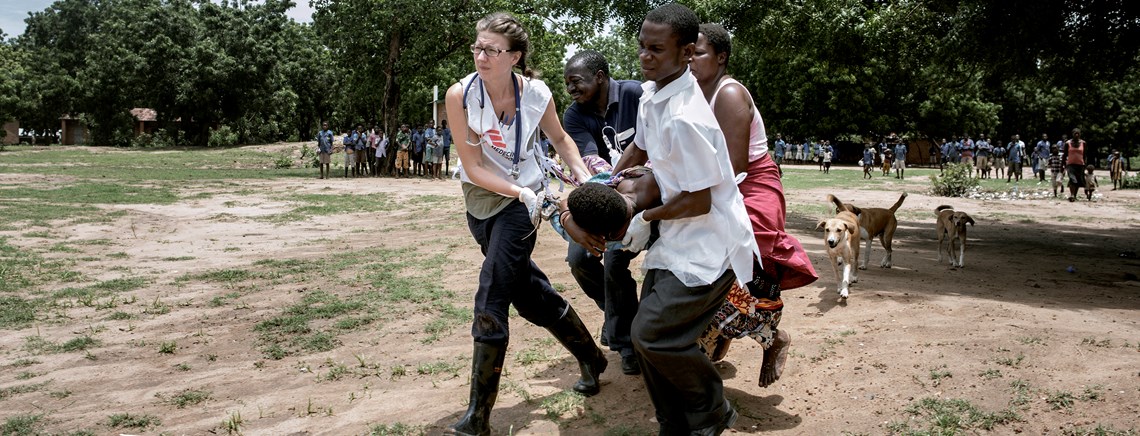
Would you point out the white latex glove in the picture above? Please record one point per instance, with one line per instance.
(531, 201)
(637, 235)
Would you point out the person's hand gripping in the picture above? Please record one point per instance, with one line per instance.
(531, 201)
(637, 235)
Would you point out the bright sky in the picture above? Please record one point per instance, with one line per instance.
(13, 13)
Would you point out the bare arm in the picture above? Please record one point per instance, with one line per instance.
(632, 156)
(734, 114)
(684, 205)
(562, 142)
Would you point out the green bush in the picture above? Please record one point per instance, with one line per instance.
(223, 137)
(955, 181)
(157, 139)
(284, 160)
(1130, 182)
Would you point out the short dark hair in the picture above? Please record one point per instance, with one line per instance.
(719, 39)
(591, 60)
(597, 208)
(684, 22)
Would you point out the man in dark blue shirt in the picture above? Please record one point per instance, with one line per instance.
(418, 141)
(602, 122)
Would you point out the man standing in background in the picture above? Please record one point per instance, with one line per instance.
(324, 149)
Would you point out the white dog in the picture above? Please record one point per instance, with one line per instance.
(841, 235)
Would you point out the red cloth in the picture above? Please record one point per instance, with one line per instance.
(764, 199)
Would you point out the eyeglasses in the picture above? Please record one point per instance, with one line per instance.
(489, 51)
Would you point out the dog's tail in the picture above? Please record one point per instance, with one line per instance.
(895, 208)
(942, 208)
(839, 207)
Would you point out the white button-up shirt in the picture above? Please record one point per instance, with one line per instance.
(679, 132)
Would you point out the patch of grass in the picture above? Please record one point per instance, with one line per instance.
(119, 255)
(1031, 340)
(558, 405)
(448, 318)
(626, 430)
(21, 363)
(81, 343)
(232, 424)
(1099, 430)
(530, 356)
(40, 234)
(293, 327)
(438, 368)
(225, 276)
(1103, 343)
(35, 214)
(937, 416)
(178, 258)
(16, 312)
(937, 374)
(1093, 393)
(93, 193)
(330, 204)
(21, 270)
(120, 316)
(28, 424)
(8, 392)
(990, 374)
(189, 397)
(127, 420)
(62, 248)
(167, 347)
(337, 372)
(1012, 362)
(182, 367)
(1060, 400)
(1021, 392)
(26, 375)
(396, 429)
(397, 371)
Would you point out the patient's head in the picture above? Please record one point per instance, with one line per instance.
(599, 209)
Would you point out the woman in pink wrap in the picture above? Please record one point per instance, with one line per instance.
(783, 262)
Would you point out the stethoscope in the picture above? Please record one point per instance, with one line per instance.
(517, 120)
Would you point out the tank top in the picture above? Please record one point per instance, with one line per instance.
(1076, 153)
(757, 137)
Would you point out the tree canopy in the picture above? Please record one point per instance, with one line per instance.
(818, 68)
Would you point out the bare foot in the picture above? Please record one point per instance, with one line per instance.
(774, 358)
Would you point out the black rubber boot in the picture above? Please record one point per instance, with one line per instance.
(486, 368)
(573, 335)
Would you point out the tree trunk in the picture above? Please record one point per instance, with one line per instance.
(391, 103)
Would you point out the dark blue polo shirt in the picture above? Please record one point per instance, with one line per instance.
(586, 126)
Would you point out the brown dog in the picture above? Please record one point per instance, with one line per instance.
(874, 221)
(841, 236)
(952, 226)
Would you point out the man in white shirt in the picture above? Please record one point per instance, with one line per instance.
(705, 233)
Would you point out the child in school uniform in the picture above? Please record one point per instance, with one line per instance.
(1090, 182)
(1056, 168)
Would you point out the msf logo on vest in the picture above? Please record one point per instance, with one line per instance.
(495, 138)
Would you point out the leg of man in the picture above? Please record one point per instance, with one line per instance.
(621, 307)
(447, 160)
(686, 389)
(588, 271)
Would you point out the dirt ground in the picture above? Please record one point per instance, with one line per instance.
(1045, 299)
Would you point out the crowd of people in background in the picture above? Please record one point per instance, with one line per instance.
(423, 151)
(1067, 161)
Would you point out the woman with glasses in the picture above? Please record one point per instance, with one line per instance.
(500, 174)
